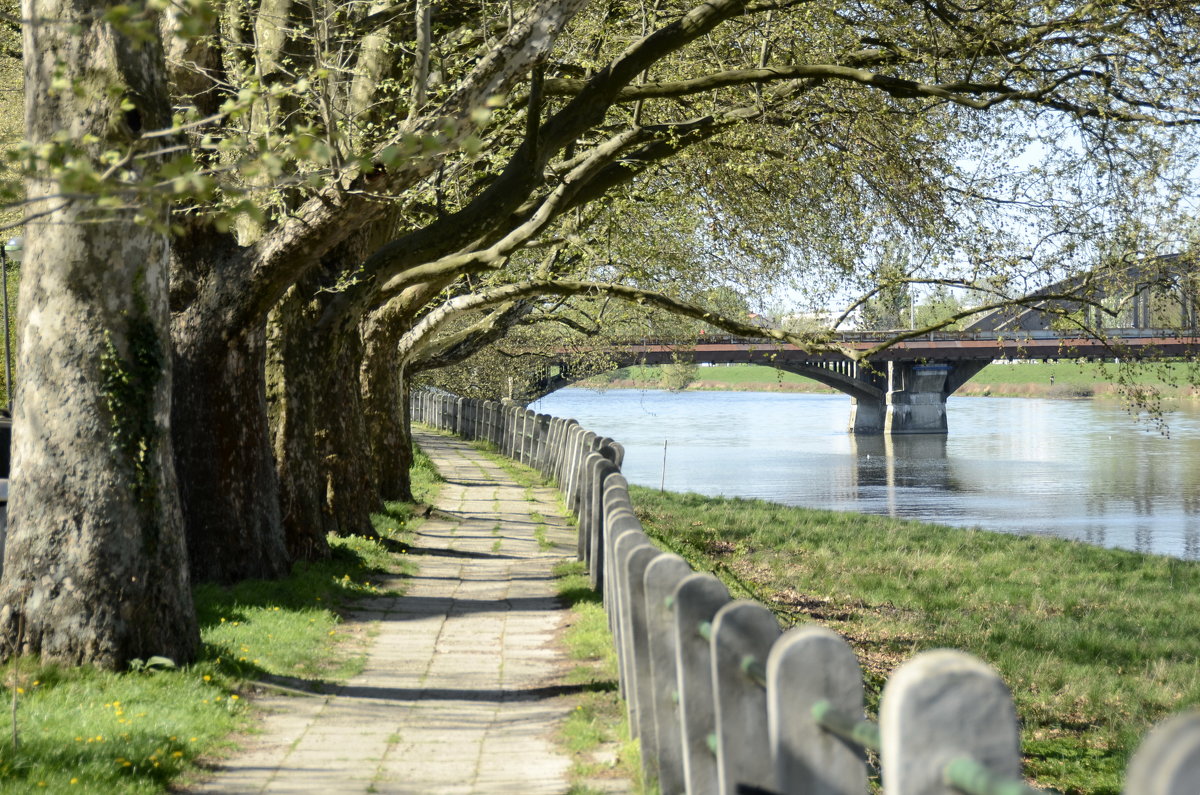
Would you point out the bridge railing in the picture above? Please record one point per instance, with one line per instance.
(1013, 335)
(722, 701)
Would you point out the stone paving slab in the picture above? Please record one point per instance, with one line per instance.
(460, 690)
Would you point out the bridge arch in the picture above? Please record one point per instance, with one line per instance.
(860, 382)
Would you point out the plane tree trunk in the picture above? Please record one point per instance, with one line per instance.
(95, 568)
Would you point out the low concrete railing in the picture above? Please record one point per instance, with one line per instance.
(722, 701)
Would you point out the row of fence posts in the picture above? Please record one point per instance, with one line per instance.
(722, 701)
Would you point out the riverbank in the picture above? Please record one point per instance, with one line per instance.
(1096, 644)
(1055, 380)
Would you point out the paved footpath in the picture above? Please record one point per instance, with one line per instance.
(460, 691)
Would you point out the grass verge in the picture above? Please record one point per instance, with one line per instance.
(596, 732)
(1096, 644)
(147, 730)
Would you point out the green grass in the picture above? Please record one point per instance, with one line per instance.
(1096, 644)
(598, 720)
(85, 730)
(1082, 373)
(734, 377)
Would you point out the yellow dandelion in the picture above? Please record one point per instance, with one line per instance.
(207, 678)
(177, 754)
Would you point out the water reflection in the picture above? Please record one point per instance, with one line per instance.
(1072, 469)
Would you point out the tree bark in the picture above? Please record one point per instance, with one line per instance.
(351, 495)
(296, 439)
(95, 567)
(320, 440)
(385, 409)
(229, 487)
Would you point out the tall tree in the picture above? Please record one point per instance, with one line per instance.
(389, 158)
(95, 564)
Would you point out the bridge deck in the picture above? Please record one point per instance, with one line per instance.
(945, 346)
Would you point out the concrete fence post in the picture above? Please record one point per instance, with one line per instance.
(531, 431)
(663, 576)
(696, 602)
(518, 433)
(642, 716)
(941, 706)
(543, 443)
(809, 664)
(627, 538)
(514, 436)
(627, 543)
(587, 444)
(600, 528)
(583, 513)
(522, 435)
(742, 635)
(559, 435)
(594, 508)
(618, 517)
(579, 470)
(550, 454)
(1168, 760)
(574, 450)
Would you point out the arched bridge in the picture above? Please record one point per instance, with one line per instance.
(903, 389)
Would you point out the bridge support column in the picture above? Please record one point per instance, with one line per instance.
(916, 397)
(866, 415)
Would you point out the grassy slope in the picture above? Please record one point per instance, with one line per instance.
(1096, 644)
(82, 730)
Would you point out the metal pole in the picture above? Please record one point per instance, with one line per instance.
(663, 482)
(7, 334)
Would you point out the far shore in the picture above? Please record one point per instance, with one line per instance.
(1053, 380)
(1027, 390)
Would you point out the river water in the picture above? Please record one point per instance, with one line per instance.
(1076, 469)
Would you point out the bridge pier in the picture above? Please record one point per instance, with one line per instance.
(866, 416)
(915, 399)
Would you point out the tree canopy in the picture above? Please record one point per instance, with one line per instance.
(351, 193)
